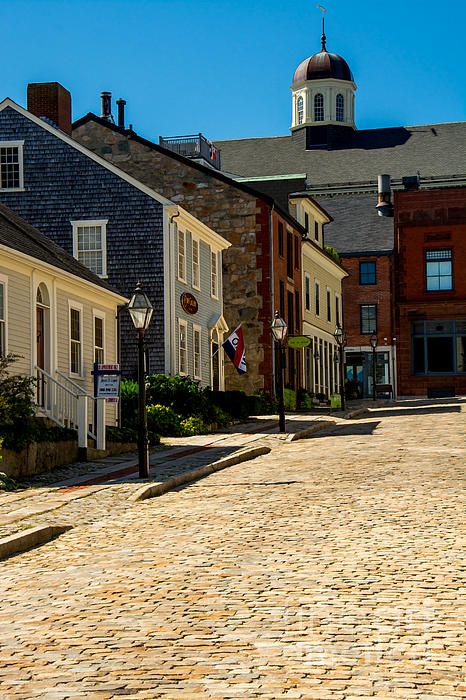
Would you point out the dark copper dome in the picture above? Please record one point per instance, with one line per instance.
(323, 65)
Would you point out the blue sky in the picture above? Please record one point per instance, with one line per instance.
(224, 67)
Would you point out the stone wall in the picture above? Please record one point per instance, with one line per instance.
(235, 214)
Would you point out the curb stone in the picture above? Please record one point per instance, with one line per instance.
(321, 425)
(152, 490)
(28, 539)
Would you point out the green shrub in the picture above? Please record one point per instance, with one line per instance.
(7, 483)
(332, 253)
(163, 420)
(262, 404)
(235, 403)
(192, 426)
(129, 397)
(115, 434)
(290, 399)
(17, 406)
(182, 394)
(305, 399)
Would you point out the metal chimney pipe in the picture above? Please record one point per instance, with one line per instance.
(384, 196)
(106, 98)
(121, 112)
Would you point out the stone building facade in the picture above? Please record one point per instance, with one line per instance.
(240, 214)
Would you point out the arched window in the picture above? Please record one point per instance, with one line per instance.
(340, 108)
(319, 108)
(300, 109)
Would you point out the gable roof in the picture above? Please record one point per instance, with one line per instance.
(435, 150)
(212, 172)
(357, 229)
(17, 234)
(7, 102)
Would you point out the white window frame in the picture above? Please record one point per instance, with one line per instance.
(101, 316)
(4, 320)
(75, 306)
(197, 330)
(337, 310)
(181, 257)
(92, 222)
(183, 324)
(196, 269)
(214, 281)
(317, 298)
(300, 110)
(19, 145)
(307, 291)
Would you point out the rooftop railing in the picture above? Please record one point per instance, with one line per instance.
(194, 146)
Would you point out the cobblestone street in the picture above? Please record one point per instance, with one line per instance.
(331, 569)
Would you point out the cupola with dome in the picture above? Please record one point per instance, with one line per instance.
(323, 96)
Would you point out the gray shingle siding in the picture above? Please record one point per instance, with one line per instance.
(61, 185)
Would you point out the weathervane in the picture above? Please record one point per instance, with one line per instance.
(323, 38)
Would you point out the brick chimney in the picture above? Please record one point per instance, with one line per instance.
(50, 100)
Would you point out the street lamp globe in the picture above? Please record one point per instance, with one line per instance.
(338, 335)
(373, 340)
(140, 309)
(279, 328)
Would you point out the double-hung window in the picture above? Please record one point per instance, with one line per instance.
(317, 299)
(90, 244)
(337, 310)
(307, 291)
(439, 275)
(329, 305)
(76, 340)
(99, 352)
(368, 316)
(195, 261)
(3, 297)
(182, 347)
(181, 239)
(367, 272)
(214, 274)
(11, 165)
(197, 352)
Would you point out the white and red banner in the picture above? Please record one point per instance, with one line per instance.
(234, 348)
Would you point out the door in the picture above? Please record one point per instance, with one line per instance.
(40, 353)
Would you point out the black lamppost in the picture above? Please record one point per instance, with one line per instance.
(279, 330)
(140, 309)
(340, 338)
(373, 342)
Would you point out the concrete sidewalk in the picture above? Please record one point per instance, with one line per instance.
(86, 492)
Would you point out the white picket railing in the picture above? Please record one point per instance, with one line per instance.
(68, 405)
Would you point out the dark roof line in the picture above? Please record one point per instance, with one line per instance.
(131, 134)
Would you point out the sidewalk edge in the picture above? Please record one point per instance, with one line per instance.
(152, 490)
(28, 539)
(320, 425)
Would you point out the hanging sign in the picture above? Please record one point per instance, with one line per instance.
(298, 341)
(107, 382)
(189, 303)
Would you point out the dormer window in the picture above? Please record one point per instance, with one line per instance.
(319, 108)
(11, 165)
(340, 108)
(300, 109)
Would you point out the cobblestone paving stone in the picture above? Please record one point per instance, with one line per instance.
(52, 497)
(331, 569)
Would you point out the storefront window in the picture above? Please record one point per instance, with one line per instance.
(439, 347)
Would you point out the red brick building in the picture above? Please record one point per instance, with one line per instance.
(430, 291)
